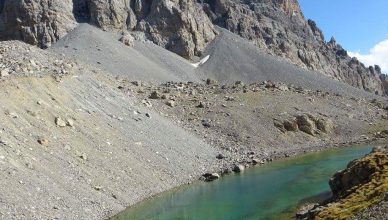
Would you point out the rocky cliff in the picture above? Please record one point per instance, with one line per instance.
(38, 22)
(279, 27)
(187, 26)
(178, 25)
(361, 186)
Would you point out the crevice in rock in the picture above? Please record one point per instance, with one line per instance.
(81, 11)
(141, 8)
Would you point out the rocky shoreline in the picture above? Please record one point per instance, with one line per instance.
(196, 108)
(359, 191)
(217, 174)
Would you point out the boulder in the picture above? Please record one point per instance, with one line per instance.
(278, 124)
(325, 125)
(306, 125)
(290, 125)
(210, 176)
(127, 39)
(171, 103)
(60, 122)
(220, 156)
(154, 95)
(211, 82)
(238, 168)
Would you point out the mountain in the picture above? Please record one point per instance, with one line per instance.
(186, 27)
(102, 116)
(279, 27)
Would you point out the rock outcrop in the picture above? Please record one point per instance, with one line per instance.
(306, 123)
(38, 22)
(180, 26)
(362, 185)
(279, 27)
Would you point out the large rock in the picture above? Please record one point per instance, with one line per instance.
(325, 125)
(363, 184)
(208, 177)
(306, 124)
(312, 125)
(360, 171)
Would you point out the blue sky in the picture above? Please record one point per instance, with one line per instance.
(356, 24)
(360, 26)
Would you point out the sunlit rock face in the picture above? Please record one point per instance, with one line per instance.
(279, 27)
(180, 26)
(186, 27)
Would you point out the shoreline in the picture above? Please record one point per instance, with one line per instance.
(199, 179)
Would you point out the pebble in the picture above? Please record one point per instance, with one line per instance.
(170, 103)
(13, 115)
(43, 141)
(4, 72)
(70, 122)
(60, 122)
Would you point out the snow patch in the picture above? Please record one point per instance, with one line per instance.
(200, 63)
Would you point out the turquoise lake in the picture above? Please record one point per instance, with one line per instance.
(272, 191)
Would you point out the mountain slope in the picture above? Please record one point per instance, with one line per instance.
(279, 27)
(144, 61)
(186, 27)
(74, 146)
(232, 58)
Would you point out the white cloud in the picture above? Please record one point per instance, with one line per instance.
(377, 55)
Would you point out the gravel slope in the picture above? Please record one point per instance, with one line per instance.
(145, 61)
(233, 58)
(113, 156)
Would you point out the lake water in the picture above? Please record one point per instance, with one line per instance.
(271, 191)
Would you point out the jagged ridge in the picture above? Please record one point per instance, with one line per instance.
(186, 27)
(279, 27)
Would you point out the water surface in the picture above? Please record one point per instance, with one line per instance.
(272, 191)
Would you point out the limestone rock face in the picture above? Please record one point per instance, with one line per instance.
(279, 27)
(181, 26)
(178, 25)
(187, 26)
(38, 22)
